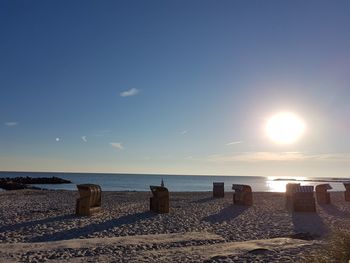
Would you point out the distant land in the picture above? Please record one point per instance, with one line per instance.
(326, 179)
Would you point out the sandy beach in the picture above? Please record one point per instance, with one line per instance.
(40, 226)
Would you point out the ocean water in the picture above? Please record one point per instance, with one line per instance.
(178, 183)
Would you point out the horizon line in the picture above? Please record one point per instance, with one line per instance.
(120, 173)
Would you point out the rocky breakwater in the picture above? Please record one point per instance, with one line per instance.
(18, 183)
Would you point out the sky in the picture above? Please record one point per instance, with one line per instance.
(177, 87)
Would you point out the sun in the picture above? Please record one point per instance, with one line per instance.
(284, 128)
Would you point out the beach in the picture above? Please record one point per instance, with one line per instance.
(41, 226)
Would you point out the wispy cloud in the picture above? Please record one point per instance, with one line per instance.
(335, 157)
(84, 138)
(102, 133)
(117, 145)
(130, 92)
(184, 132)
(11, 123)
(278, 157)
(234, 143)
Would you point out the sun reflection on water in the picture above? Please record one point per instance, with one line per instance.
(280, 185)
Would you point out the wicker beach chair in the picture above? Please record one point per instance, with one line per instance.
(347, 191)
(218, 190)
(90, 199)
(242, 195)
(159, 202)
(303, 199)
(290, 189)
(322, 196)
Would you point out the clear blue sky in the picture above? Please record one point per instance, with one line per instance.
(181, 87)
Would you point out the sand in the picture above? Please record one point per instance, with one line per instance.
(40, 226)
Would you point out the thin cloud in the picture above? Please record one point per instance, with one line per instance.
(279, 157)
(117, 145)
(84, 138)
(11, 123)
(184, 132)
(234, 143)
(102, 133)
(58, 139)
(130, 92)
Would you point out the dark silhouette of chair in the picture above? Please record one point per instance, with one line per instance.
(90, 199)
(242, 195)
(218, 190)
(290, 189)
(322, 196)
(347, 191)
(303, 199)
(159, 202)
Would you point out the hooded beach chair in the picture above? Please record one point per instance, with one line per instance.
(303, 199)
(90, 199)
(290, 189)
(347, 191)
(322, 196)
(242, 195)
(159, 202)
(218, 190)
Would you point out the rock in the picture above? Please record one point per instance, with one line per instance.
(18, 183)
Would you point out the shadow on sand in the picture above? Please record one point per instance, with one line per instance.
(226, 214)
(44, 221)
(310, 223)
(92, 228)
(334, 211)
(203, 200)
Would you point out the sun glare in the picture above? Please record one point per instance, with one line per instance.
(284, 128)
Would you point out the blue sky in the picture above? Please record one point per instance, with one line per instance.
(180, 87)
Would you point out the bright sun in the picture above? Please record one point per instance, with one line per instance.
(284, 128)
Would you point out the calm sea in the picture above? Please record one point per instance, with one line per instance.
(179, 183)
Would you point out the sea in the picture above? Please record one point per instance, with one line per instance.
(175, 183)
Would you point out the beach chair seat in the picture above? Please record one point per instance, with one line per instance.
(159, 202)
(347, 191)
(303, 199)
(242, 195)
(218, 190)
(89, 201)
(322, 196)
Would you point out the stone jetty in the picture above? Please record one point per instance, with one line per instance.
(17, 183)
